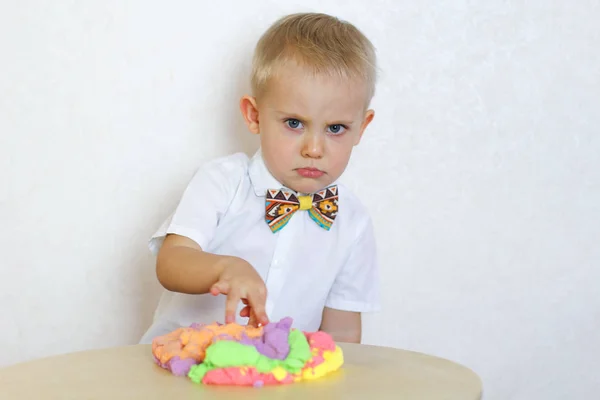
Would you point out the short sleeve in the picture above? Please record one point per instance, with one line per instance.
(356, 287)
(204, 201)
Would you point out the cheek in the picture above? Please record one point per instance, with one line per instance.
(277, 142)
(278, 146)
(341, 151)
(340, 162)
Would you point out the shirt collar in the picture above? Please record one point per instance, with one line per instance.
(261, 178)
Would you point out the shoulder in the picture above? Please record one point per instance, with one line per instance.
(354, 214)
(225, 170)
(219, 177)
(230, 165)
(353, 205)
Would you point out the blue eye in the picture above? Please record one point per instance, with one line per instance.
(337, 129)
(293, 123)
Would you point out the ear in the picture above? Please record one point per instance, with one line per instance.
(369, 115)
(249, 111)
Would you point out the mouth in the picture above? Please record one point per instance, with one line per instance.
(310, 172)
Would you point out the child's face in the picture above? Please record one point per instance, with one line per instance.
(308, 126)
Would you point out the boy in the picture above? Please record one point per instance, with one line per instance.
(278, 232)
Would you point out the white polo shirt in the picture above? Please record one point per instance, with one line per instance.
(305, 267)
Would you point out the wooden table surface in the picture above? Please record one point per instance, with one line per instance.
(369, 372)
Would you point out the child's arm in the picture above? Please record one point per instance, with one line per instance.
(343, 326)
(182, 266)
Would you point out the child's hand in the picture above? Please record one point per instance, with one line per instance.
(240, 281)
(248, 313)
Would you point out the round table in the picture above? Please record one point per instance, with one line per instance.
(369, 372)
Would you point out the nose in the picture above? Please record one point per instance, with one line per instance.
(313, 145)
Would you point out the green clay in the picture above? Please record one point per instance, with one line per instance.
(299, 352)
(226, 354)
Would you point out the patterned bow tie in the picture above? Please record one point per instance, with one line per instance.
(282, 204)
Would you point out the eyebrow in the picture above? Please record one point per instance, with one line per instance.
(291, 115)
(301, 118)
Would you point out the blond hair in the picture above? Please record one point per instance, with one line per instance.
(320, 42)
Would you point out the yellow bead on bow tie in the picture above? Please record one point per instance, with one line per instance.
(306, 202)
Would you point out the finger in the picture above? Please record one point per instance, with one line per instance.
(245, 312)
(253, 321)
(257, 301)
(221, 287)
(233, 299)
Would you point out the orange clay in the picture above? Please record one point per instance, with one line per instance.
(192, 342)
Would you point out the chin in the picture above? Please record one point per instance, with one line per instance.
(310, 187)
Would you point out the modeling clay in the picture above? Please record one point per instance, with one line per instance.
(233, 354)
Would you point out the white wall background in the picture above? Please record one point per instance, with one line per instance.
(486, 139)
